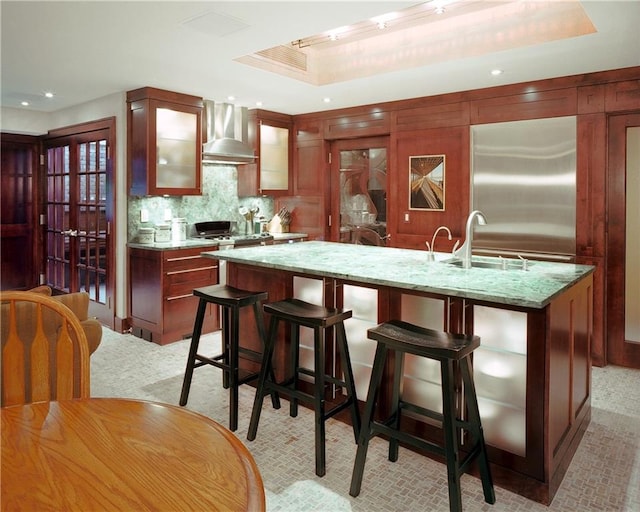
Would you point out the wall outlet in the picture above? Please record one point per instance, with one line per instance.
(144, 215)
(406, 216)
(167, 214)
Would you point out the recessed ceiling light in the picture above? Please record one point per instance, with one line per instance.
(496, 72)
(382, 22)
(258, 103)
(48, 95)
(24, 103)
(327, 100)
(231, 98)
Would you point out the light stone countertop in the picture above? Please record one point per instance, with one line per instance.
(191, 243)
(410, 269)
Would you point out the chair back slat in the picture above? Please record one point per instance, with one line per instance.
(64, 364)
(13, 378)
(45, 354)
(40, 371)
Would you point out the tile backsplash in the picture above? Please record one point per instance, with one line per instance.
(219, 201)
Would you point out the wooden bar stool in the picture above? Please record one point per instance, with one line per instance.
(404, 338)
(298, 313)
(231, 300)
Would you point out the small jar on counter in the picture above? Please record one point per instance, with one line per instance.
(145, 235)
(163, 233)
(179, 229)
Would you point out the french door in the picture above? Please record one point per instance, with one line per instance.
(623, 241)
(79, 206)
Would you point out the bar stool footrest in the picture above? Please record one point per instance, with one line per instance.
(403, 437)
(428, 413)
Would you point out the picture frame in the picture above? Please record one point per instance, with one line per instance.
(427, 182)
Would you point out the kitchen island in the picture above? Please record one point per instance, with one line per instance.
(532, 371)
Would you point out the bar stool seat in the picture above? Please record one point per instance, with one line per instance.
(298, 313)
(450, 350)
(231, 300)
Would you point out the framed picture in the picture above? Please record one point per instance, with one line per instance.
(426, 182)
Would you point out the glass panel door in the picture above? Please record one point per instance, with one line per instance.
(623, 241)
(362, 182)
(632, 238)
(77, 226)
(61, 246)
(91, 266)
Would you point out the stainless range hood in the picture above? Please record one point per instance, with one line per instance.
(223, 146)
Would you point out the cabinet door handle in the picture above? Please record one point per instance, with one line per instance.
(190, 270)
(176, 297)
(182, 258)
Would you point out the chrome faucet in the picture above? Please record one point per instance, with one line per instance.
(464, 253)
(431, 248)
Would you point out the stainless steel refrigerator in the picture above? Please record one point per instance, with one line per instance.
(523, 176)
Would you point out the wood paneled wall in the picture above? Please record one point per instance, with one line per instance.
(441, 125)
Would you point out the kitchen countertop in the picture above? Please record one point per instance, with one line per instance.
(410, 269)
(192, 243)
(189, 243)
(284, 237)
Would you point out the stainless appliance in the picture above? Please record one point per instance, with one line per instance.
(222, 232)
(523, 177)
(227, 134)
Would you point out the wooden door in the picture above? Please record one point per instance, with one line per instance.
(623, 241)
(80, 204)
(18, 218)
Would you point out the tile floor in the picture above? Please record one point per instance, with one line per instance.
(603, 476)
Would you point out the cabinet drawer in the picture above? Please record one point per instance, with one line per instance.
(185, 259)
(181, 310)
(208, 274)
(187, 287)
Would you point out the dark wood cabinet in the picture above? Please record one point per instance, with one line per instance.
(162, 305)
(164, 152)
(269, 133)
(310, 166)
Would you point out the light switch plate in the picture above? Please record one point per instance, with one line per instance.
(144, 215)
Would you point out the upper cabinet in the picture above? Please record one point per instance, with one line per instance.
(164, 131)
(270, 136)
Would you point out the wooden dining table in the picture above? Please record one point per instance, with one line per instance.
(118, 454)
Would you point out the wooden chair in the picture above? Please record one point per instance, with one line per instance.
(45, 355)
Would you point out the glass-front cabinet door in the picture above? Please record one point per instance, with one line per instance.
(164, 132)
(274, 158)
(360, 175)
(177, 150)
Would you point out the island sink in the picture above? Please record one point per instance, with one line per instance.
(496, 264)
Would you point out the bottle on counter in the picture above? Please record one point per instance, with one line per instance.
(258, 225)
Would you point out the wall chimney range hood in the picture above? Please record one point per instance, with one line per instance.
(222, 147)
